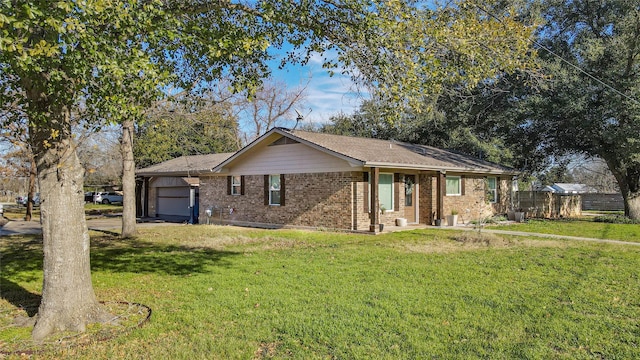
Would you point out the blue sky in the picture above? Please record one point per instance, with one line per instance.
(326, 95)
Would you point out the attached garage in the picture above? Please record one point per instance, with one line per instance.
(164, 189)
(169, 197)
(173, 201)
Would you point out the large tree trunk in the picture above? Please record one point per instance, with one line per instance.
(68, 300)
(628, 177)
(632, 206)
(128, 181)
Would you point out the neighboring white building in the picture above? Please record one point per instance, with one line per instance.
(567, 188)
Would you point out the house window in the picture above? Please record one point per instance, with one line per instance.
(409, 185)
(453, 185)
(385, 192)
(274, 189)
(236, 185)
(492, 189)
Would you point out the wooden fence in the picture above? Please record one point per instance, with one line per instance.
(548, 205)
(603, 202)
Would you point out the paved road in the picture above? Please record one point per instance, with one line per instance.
(106, 223)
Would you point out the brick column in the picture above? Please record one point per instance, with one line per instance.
(374, 208)
(441, 190)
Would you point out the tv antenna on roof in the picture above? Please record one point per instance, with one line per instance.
(300, 117)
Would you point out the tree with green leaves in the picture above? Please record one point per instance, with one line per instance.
(20, 159)
(447, 125)
(591, 50)
(172, 130)
(112, 57)
(588, 103)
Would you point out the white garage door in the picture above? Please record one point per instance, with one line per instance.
(173, 201)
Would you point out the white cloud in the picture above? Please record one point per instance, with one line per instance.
(326, 95)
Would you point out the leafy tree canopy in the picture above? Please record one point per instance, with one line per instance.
(590, 105)
(112, 58)
(168, 134)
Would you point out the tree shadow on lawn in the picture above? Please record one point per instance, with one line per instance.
(138, 256)
(21, 257)
(19, 296)
(21, 261)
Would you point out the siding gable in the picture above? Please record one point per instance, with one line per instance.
(289, 159)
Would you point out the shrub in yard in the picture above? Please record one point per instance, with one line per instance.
(490, 220)
(615, 219)
(477, 238)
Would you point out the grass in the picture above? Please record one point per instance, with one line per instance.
(584, 227)
(231, 293)
(17, 212)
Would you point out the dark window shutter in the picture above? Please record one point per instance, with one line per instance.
(282, 190)
(266, 189)
(462, 186)
(365, 192)
(229, 184)
(497, 189)
(242, 185)
(396, 192)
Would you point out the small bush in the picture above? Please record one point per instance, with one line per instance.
(490, 220)
(615, 219)
(474, 237)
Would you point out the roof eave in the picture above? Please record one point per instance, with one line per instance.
(440, 168)
(189, 173)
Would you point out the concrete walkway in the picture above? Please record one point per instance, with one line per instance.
(551, 236)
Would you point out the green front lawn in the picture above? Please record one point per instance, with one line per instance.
(232, 293)
(18, 212)
(584, 227)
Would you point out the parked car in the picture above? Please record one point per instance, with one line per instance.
(22, 200)
(107, 197)
(88, 196)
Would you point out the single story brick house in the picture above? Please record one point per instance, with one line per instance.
(167, 190)
(299, 178)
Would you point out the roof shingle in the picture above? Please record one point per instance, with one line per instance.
(394, 153)
(185, 165)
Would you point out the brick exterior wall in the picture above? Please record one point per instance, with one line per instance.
(338, 200)
(360, 204)
(471, 205)
(427, 198)
(504, 196)
(316, 200)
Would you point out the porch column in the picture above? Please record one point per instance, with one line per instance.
(374, 208)
(440, 191)
(145, 203)
(139, 196)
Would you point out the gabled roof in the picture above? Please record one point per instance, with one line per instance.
(368, 152)
(185, 165)
(568, 188)
(546, 188)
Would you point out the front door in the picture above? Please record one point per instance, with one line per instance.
(410, 198)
